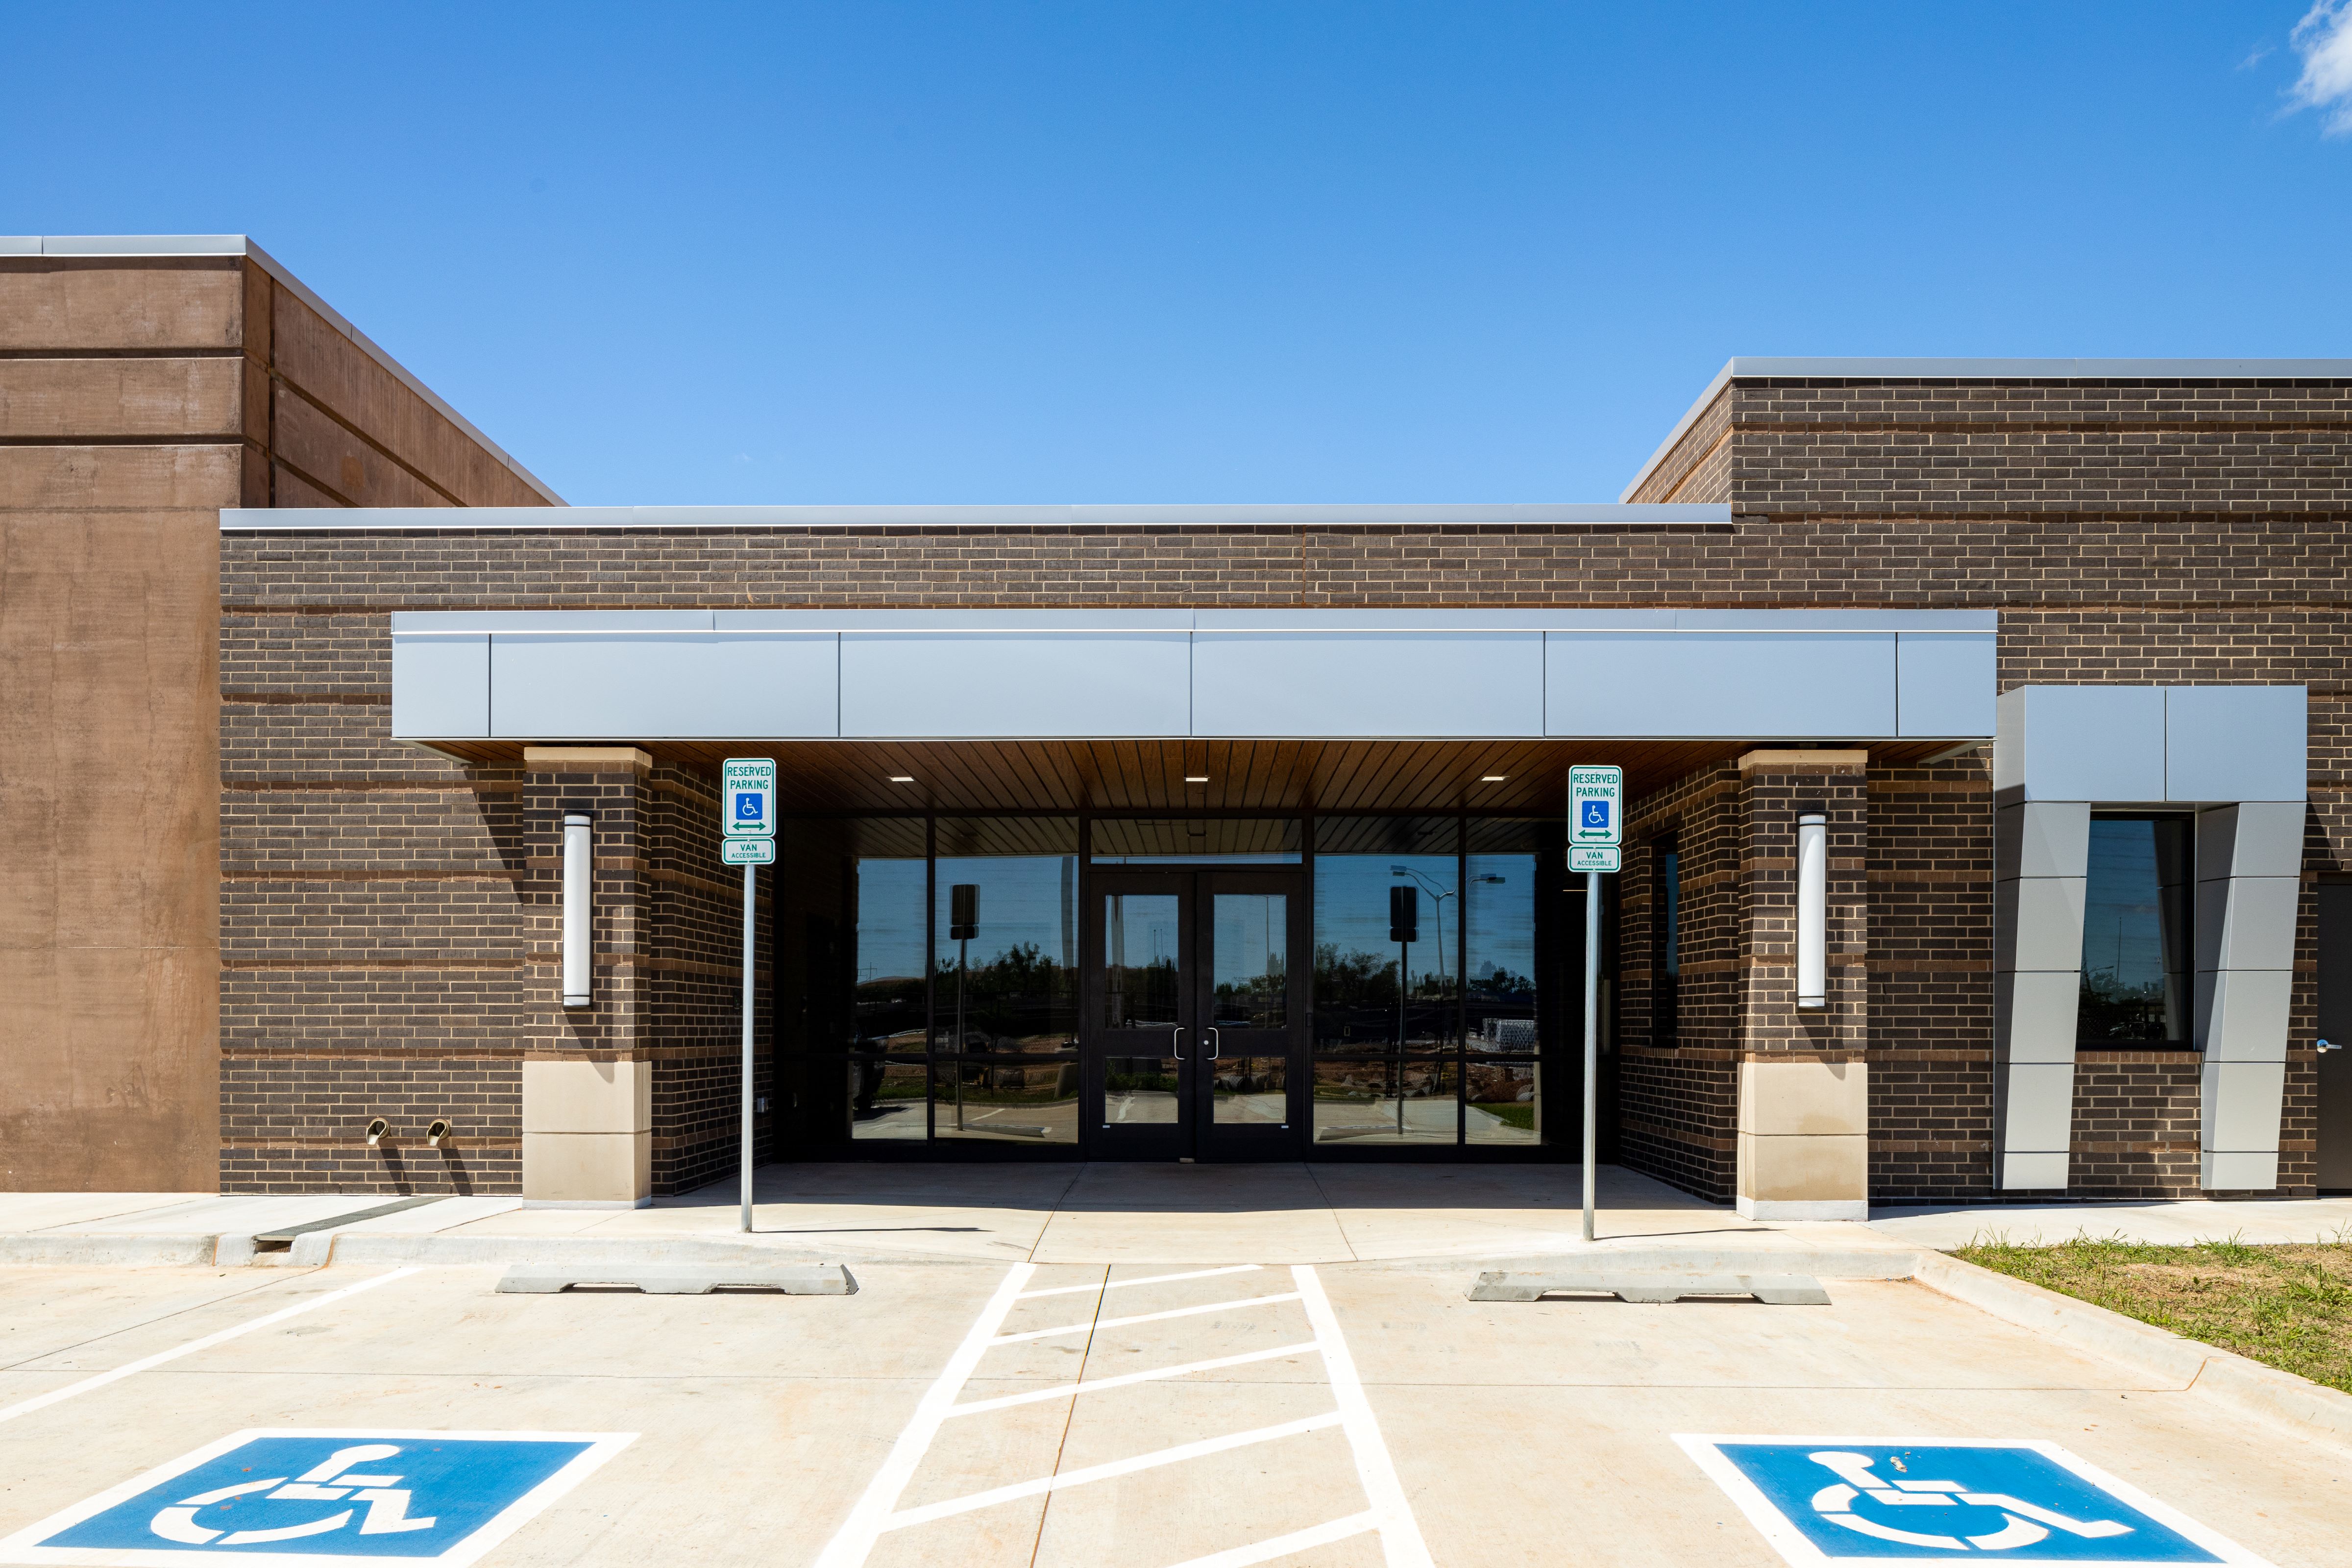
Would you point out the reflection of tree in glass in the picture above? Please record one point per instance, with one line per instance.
(1021, 1000)
(887, 1012)
(1257, 1001)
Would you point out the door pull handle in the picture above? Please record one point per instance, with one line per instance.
(1216, 1043)
(1175, 1044)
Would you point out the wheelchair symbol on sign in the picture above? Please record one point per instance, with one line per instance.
(387, 1503)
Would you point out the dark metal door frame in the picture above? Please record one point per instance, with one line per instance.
(1189, 1041)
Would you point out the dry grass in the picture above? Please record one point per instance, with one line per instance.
(2287, 1307)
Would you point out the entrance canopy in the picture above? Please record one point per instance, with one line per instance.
(1331, 690)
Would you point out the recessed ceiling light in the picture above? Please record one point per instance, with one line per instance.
(1490, 778)
(902, 778)
(1196, 778)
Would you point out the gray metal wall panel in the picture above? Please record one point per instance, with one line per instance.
(1368, 684)
(2089, 742)
(2235, 742)
(1946, 683)
(441, 688)
(663, 685)
(1782, 685)
(976, 685)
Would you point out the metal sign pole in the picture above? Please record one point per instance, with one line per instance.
(1596, 828)
(747, 824)
(751, 939)
(1592, 1038)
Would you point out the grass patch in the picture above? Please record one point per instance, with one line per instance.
(2287, 1307)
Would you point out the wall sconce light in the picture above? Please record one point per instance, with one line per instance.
(579, 874)
(377, 1128)
(434, 1134)
(1812, 910)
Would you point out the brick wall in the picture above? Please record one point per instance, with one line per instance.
(2116, 547)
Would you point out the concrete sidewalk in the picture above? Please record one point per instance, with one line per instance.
(1096, 1214)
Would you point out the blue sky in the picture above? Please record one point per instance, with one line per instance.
(1344, 252)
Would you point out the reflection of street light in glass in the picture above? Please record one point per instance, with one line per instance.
(1437, 896)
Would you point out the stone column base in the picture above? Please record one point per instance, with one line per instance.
(1804, 1139)
(587, 1134)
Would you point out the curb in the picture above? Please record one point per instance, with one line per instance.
(1824, 1263)
(122, 1251)
(551, 1251)
(2248, 1386)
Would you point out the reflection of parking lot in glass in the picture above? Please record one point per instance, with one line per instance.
(1007, 1099)
(1502, 1106)
(1359, 1103)
(1250, 1091)
(886, 1099)
(1141, 1090)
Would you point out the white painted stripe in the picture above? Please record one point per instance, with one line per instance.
(1143, 1318)
(872, 1515)
(1284, 1545)
(1207, 1445)
(1400, 1542)
(43, 1401)
(1066, 1390)
(1147, 1279)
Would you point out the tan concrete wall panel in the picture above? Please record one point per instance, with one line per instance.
(109, 940)
(150, 306)
(62, 399)
(293, 489)
(99, 478)
(332, 371)
(356, 472)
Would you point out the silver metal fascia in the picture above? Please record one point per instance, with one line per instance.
(394, 520)
(161, 245)
(474, 623)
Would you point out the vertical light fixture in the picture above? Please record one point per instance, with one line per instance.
(579, 873)
(1812, 910)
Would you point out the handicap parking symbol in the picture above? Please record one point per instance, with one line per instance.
(324, 1495)
(1876, 1500)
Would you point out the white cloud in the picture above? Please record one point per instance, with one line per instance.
(2324, 40)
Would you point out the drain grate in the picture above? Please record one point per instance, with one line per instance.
(775, 1280)
(1771, 1290)
(282, 1239)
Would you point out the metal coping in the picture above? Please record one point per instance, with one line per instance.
(1742, 366)
(96, 246)
(820, 622)
(1596, 514)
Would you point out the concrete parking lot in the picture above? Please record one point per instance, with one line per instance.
(1312, 1413)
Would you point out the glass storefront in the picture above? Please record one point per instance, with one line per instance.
(1318, 984)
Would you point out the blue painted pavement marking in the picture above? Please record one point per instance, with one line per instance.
(1879, 1500)
(329, 1496)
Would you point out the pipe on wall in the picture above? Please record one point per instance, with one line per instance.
(1812, 910)
(579, 877)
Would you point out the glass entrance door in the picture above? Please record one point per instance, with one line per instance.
(1192, 1016)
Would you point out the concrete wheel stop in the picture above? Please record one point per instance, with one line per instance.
(784, 1280)
(1654, 1289)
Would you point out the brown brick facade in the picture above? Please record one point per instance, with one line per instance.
(2126, 533)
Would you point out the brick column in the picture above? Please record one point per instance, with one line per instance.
(1804, 1092)
(587, 1126)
